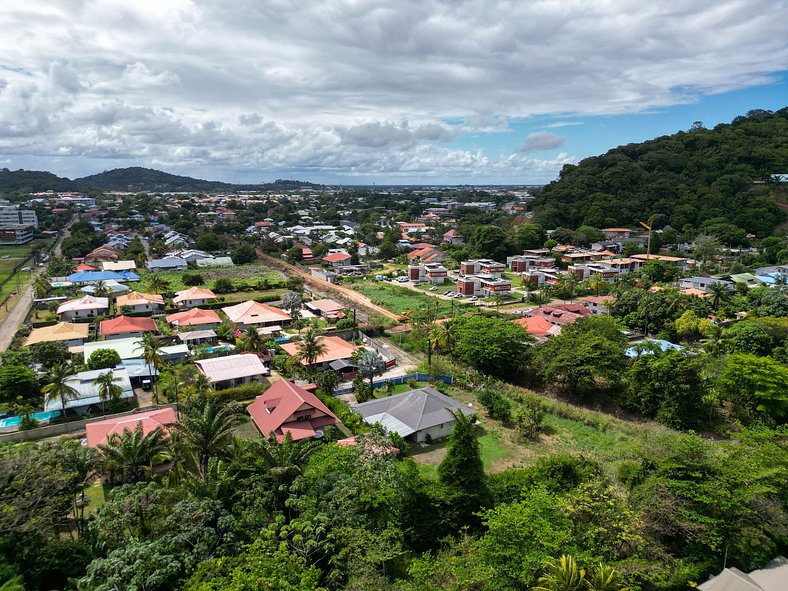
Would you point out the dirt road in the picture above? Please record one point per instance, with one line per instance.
(339, 291)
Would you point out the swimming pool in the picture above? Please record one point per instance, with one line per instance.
(218, 348)
(39, 416)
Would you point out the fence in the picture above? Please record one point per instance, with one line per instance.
(419, 377)
(69, 427)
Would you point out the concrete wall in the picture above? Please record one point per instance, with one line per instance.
(69, 427)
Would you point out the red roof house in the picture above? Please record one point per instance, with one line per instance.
(286, 408)
(127, 325)
(84, 267)
(337, 259)
(195, 317)
(99, 431)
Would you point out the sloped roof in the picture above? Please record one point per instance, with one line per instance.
(137, 298)
(62, 331)
(275, 406)
(336, 348)
(326, 306)
(411, 411)
(123, 324)
(99, 431)
(193, 293)
(252, 312)
(87, 302)
(88, 276)
(118, 266)
(538, 326)
(87, 391)
(232, 367)
(336, 257)
(194, 317)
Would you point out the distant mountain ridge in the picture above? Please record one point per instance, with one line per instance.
(135, 178)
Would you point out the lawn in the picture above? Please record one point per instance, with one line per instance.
(401, 299)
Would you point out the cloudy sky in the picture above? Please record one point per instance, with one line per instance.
(361, 91)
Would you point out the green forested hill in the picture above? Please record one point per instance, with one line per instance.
(703, 175)
(33, 181)
(136, 178)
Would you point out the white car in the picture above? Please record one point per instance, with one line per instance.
(402, 279)
(433, 288)
(472, 299)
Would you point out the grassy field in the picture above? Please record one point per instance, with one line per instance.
(401, 299)
(585, 432)
(240, 275)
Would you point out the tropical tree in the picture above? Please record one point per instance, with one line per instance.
(310, 348)
(562, 575)
(706, 247)
(108, 389)
(252, 341)
(719, 294)
(157, 283)
(58, 387)
(597, 284)
(285, 461)
(151, 353)
(604, 578)
(41, 286)
(372, 364)
(292, 301)
(101, 289)
(82, 464)
(442, 336)
(133, 452)
(206, 429)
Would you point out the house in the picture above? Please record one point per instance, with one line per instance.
(253, 313)
(704, 283)
(617, 233)
(95, 276)
(482, 267)
(772, 577)
(118, 266)
(197, 337)
(598, 269)
(126, 326)
(74, 335)
(87, 390)
(112, 287)
(289, 409)
(190, 254)
(168, 264)
(195, 317)
(193, 297)
(623, 265)
(428, 254)
(522, 263)
(103, 253)
(98, 432)
(84, 267)
(138, 302)
(337, 259)
(538, 327)
(336, 349)
(484, 285)
(681, 262)
(421, 415)
(560, 315)
(326, 308)
(453, 237)
(85, 307)
(599, 304)
(233, 370)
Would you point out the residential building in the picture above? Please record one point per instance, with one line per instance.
(102, 254)
(704, 283)
(12, 216)
(453, 237)
(197, 337)
(482, 267)
(681, 262)
(336, 349)
(435, 273)
(99, 432)
(74, 335)
(195, 317)
(118, 265)
(326, 308)
(255, 314)
(421, 415)
(598, 305)
(87, 396)
(214, 262)
(126, 326)
(138, 302)
(428, 254)
(193, 297)
(18, 234)
(521, 263)
(538, 327)
(85, 307)
(337, 259)
(233, 370)
(168, 264)
(772, 577)
(286, 409)
(484, 285)
(95, 276)
(598, 269)
(562, 314)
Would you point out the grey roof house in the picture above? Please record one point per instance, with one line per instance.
(772, 577)
(420, 415)
(176, 263)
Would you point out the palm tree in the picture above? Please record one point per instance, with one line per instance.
(286, 460)
(133, 453)
(252, 341)
(561, 575)
(82, 463)
(604, 578)
(206, 429)
(41, 287)
(108, 388)
(442, 334)
(58, 387)
(310, 348)
(719, 294)
(100, 289)
(202, 385)
(568, 285)
(151, 353)
(597, 284)
(157, 283)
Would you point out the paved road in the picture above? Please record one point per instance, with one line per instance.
(329, 288)
(21, 304)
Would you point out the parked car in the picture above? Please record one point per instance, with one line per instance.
(472, 299)
(379, 277)
(402, 279)
(433, 288)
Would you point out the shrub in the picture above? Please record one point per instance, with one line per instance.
(192, 279)
(103, 359)
(223, 285)
(528, 420)
(242, 392)
(350, 419)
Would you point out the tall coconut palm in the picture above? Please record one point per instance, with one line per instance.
(719, 294)
(150, 347)
(597, 284)
(108, 388)
(157, 283)
(133, 452)
(206, 429)
(82, 464)
(101, 289)
(41, 287)
(201, 385)
(562, 575)
(252, 341)
(310, 348)
(442, 335)
(58, 387)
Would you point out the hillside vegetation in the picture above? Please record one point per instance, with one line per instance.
(688, 177)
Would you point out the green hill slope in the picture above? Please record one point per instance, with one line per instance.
(136, 178)
(33, 181)
(704, 175)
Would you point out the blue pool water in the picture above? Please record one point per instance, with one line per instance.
(219, 348)
(39, 416)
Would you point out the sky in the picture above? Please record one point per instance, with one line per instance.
(373, 91)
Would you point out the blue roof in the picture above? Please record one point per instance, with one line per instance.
(90, 276)
(646, 347)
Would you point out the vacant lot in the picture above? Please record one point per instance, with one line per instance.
(241, 276)
(401, 299)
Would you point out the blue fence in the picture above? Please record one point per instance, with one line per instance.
(419, 377)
